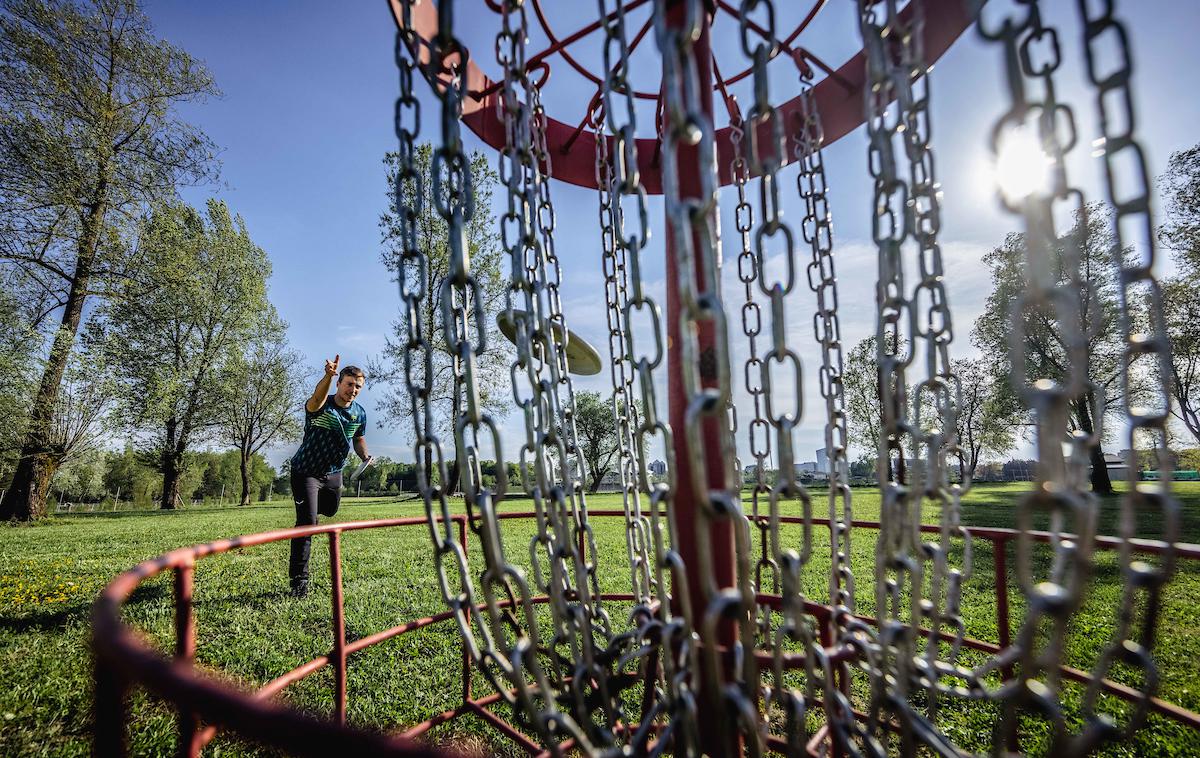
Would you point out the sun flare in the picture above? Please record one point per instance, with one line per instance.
(1022, 168)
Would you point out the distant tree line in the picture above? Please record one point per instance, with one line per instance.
(123, 476)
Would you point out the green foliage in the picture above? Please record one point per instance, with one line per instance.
(1180, 185)
(262, 391)
(18, 364)
(199, 295)
(1180, 188)
(1045, 349)
(596, 429)
(1046, 353)
(483, 243)
(209, 476)
(864, 407)
(982, 418)
(88, 136)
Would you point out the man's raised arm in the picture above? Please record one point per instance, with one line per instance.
(321, 391)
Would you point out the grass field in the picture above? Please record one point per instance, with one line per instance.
(249, 630)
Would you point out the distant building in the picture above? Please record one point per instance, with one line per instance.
(822, 459)
(658, 468)
(806, 467)
(1118, 466)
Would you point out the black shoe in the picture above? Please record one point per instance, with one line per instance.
(299, 588)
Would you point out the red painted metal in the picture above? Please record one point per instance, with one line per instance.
(338, 655)
(123, 658)
(839, 98)
(715, 544)
(185, 652)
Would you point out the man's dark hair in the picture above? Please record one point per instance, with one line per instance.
(351, 371)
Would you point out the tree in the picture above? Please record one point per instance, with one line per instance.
(982, 423)
(864, 399)
(1180, 188)
(388, 369)
(864, 407)
(264, 389)
(1044, 346)
(88, 135)
(201, 292)
(1181, 311)
(596, 429)
(18, 346)
(1180, 234)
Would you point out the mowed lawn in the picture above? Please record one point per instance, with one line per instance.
(251, 632)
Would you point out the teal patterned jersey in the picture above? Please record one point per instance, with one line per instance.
(328, 434)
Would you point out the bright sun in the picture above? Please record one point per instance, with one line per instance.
(1022, 167)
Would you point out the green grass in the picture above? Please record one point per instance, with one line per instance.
(250, 632)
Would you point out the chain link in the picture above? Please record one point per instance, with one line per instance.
(569, 684)
(1062, 489)
(906, 222)
(625, 233)
(1133, 224)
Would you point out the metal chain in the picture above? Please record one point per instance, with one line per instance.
(1129, 194)
(817, 230)
(624, 234)
(694, 235)
(452, 196)
(565, 538)
(766, 157)
(906, 212)
(759, 430)
(1062, 489)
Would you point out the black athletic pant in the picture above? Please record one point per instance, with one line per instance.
(313, 495)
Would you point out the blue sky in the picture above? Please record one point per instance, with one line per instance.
(306, 117)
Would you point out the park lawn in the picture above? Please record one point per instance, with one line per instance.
(249, 631)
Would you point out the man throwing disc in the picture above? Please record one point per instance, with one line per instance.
(332, 424)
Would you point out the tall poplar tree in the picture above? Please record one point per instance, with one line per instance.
(88, 137)
(483, 241)
(263, 391)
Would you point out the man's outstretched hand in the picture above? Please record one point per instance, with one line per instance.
(331, 367)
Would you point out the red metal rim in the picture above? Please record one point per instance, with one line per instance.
(839, 97)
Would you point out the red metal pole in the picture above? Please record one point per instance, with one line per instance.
(717, 542)
(338, 656)
(185, 652)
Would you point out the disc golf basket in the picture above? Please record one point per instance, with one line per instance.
(734, 636)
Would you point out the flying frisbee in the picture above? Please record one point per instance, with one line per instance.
(582, 358)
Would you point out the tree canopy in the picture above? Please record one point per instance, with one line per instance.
(198, 298)
(1046, 352)
(89, 136)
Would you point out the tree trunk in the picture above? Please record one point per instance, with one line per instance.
(244, 460)
(1101, 483)
(452, 478)
(25, 498)
(171, 466)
